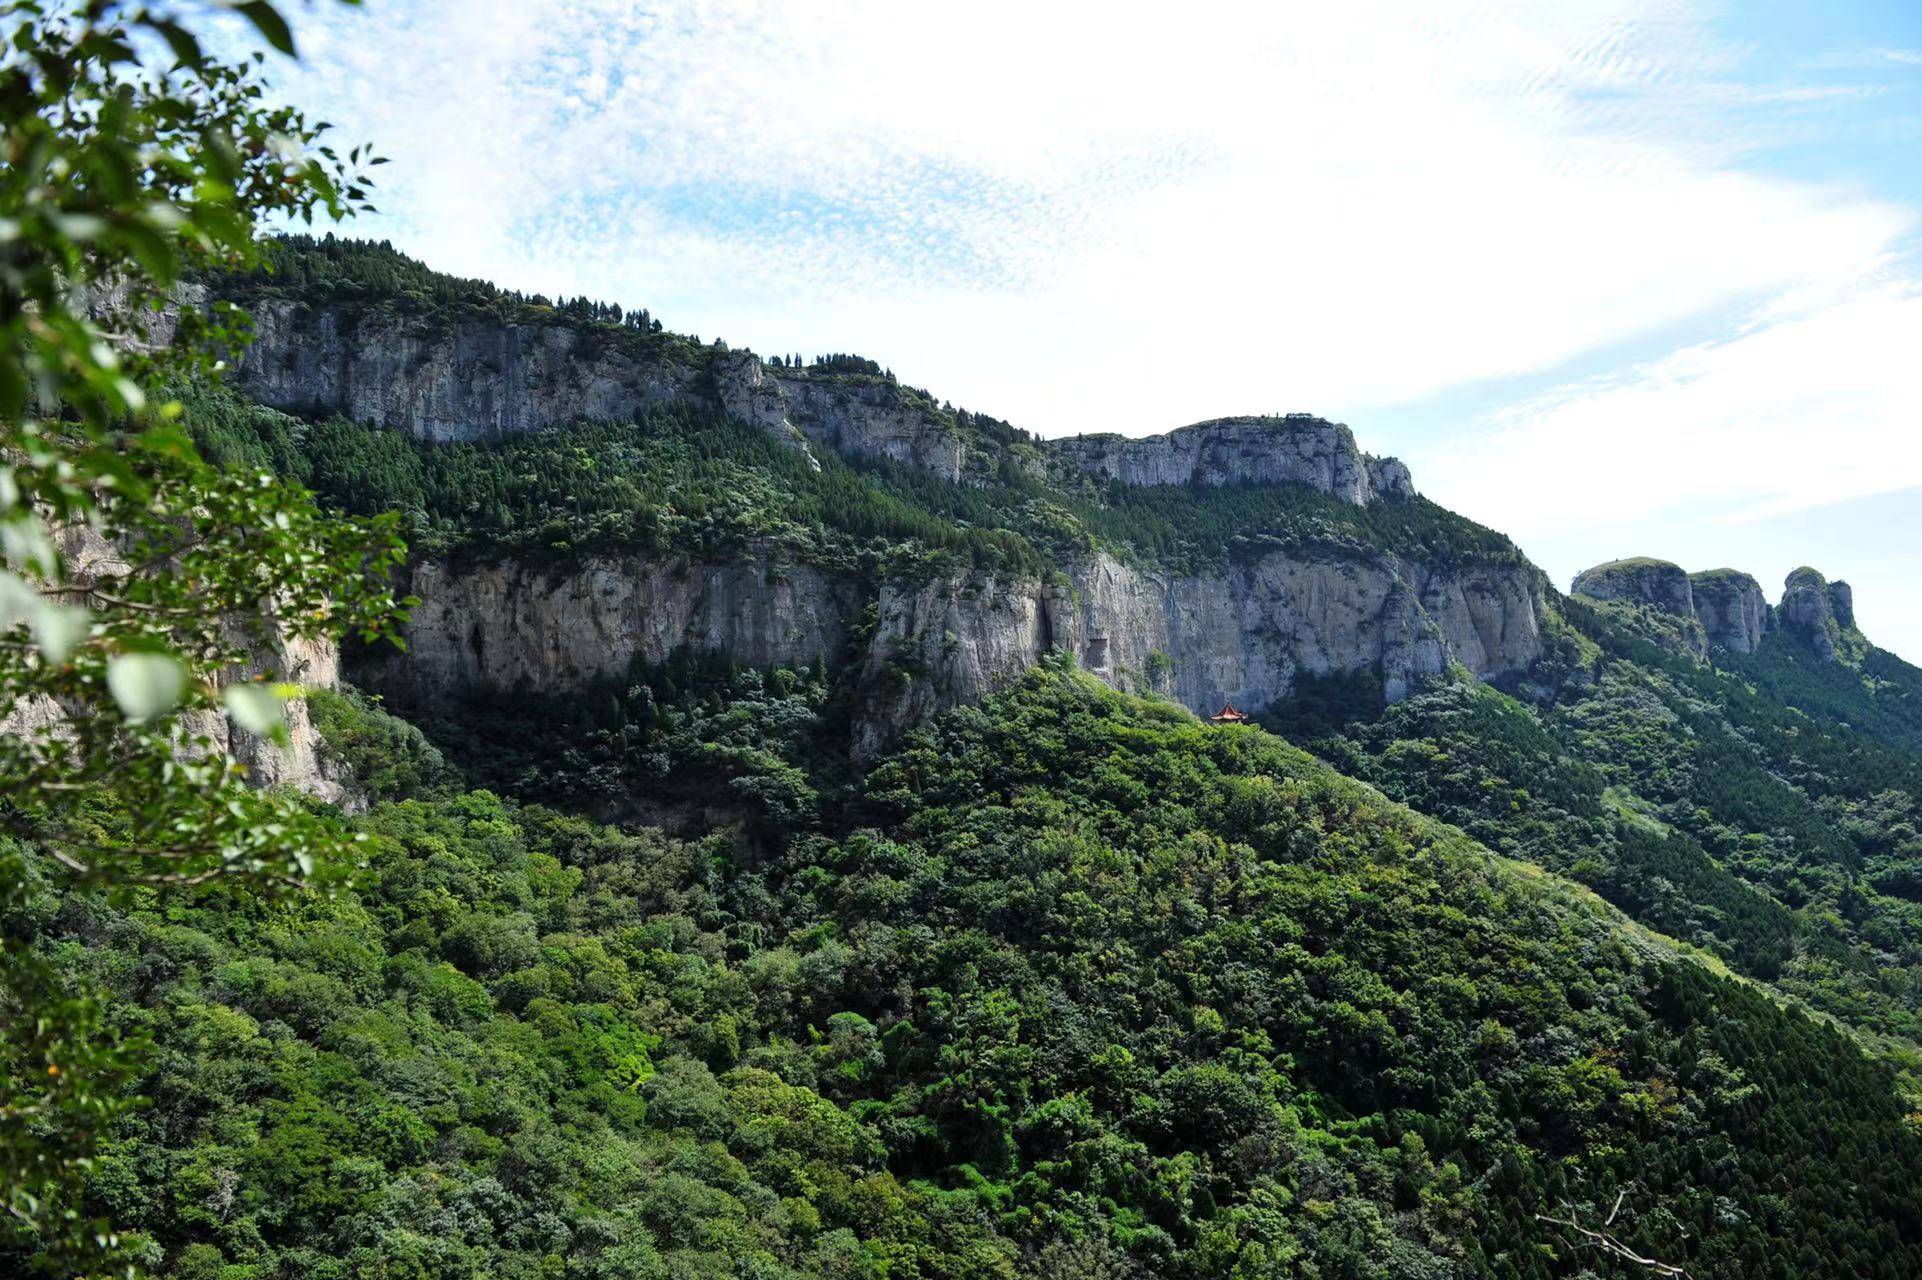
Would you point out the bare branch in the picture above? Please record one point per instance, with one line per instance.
(1619, 1197)
(1610, 1245)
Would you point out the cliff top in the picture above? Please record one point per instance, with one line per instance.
(1270, 421)
(511, 363)
(1630, 564)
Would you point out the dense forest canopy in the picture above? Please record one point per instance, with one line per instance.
(1214, 1010)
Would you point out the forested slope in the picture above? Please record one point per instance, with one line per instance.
(1073, 985)
(1764, 805)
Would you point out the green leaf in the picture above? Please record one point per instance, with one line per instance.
(270, 24)
(182, 41)
(255, 708)
(58, 628)
(18, 601)
(25, 543)
(145, 684)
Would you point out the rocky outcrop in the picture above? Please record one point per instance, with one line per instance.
(1734, 613)
(470, 375)
(552, 627)
(1640, 581)
(1726, 607)
(1297, 449)
(303, 762)
(1243, 634)
(447, 378)
(1819, 611)
(856, 417)
(443, 378)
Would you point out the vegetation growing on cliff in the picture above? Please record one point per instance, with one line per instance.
(683, 482)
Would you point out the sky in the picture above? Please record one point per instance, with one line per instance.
(1618, 277)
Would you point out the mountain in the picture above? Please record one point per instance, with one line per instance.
(760, 510)
(1741, 775)
(796, 848)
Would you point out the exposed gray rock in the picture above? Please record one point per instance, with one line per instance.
(1730, 605)
(1242, 634)
(451, 379)
(1842, 604)
(1821, 612)
(1639, 580)
(463, 379)
(512, 624)
(303, 763)
(851, 416)
(1297, 449)
(471, 377)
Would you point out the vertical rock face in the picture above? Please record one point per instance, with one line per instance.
(1641, 581)
(1298, 449)
(1243, 634)
(509, 625)
(444, 379)
(1842, 604)
(1731, 608)
(1819, 611)
(850, 416)
(465, 379)
(303, 763)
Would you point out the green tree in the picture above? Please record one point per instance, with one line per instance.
(144, 594)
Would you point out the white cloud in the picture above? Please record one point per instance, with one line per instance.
(1117, 218)
(1801, 412)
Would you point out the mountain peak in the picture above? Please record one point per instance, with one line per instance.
(1640, 580)
(1822, 612)
(1728, 604)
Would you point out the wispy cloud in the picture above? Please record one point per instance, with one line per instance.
(1120, 221)
(1797, 413)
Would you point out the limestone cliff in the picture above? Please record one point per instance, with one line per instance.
(464, 378)
(303, 763)
(473, 376)
(853, 417)
(1820, 612)
(1727, 608)
(1297, 449)
(1640, 580)
(1731, 608)
(511, 625)
(1243, 633)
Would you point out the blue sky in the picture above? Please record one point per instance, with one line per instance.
(1619, 277)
